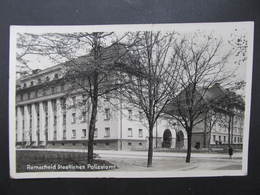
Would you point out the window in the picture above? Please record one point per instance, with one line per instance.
(24, 85)
(140, 132)
(31, 83)
(107, 114)
(55, 135)
(56, 76)
(64, 119)
(73, 118)
(107, 132)
(129, 144)
(36, 93)
(63, 103)
(73, 133)
(55, 120)
(214, 138)
(43, 91)
(52, 90)
(140, 116)
(39, 81)
(130, 114)
(74, 101)
(29, 95)
(96, 132)
(62, 87)
(130, 132)
(84, 133)
(84, 116)
(224, 139)
(235, 139)
(21, 97)
(47, 78)
(64, 134)
(219, 138)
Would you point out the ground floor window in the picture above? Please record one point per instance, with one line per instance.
(84, 133)
(107, 132)
(130, 132)
(64, 134)
(73, 133)
(140, 132)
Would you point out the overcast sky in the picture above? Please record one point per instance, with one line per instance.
(221, 30)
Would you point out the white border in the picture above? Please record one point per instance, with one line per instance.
(249, 26)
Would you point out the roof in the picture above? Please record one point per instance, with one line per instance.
(215, 97)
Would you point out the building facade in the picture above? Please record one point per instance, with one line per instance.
(47, 116)
(223, 125)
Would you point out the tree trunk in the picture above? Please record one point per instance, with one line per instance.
(205, 133)
(150, 148)
(92, 130)
(232, 128)
(229, 131)
(209, 145)
(92, 123)
(189, 134)
(94, 99)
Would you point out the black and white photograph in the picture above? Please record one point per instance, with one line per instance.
(130, 101)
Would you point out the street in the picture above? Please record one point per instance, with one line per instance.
(136, 161)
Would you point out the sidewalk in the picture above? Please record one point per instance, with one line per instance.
(106, 153)
(139, 154)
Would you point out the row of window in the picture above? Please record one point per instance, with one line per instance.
(73, 118)
(219, 140)
(39, 81)
(95, 144)
(84, 133)
(107, 133)
(130, 132)
(42, 92)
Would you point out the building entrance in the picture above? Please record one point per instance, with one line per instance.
(167, 139)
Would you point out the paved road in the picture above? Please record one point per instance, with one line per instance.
(136, 161)
(162, 155)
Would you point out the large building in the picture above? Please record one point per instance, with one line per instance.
(48, 116)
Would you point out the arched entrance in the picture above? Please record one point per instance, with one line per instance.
(167, 139)
(179, 140)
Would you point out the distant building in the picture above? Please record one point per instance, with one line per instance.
(224, 121)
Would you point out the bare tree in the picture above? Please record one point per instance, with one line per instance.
(202, 65)
(150, 78)
(89, 60)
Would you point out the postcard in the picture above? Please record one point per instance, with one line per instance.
(130, 101)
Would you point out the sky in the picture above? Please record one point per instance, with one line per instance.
(221, 30)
